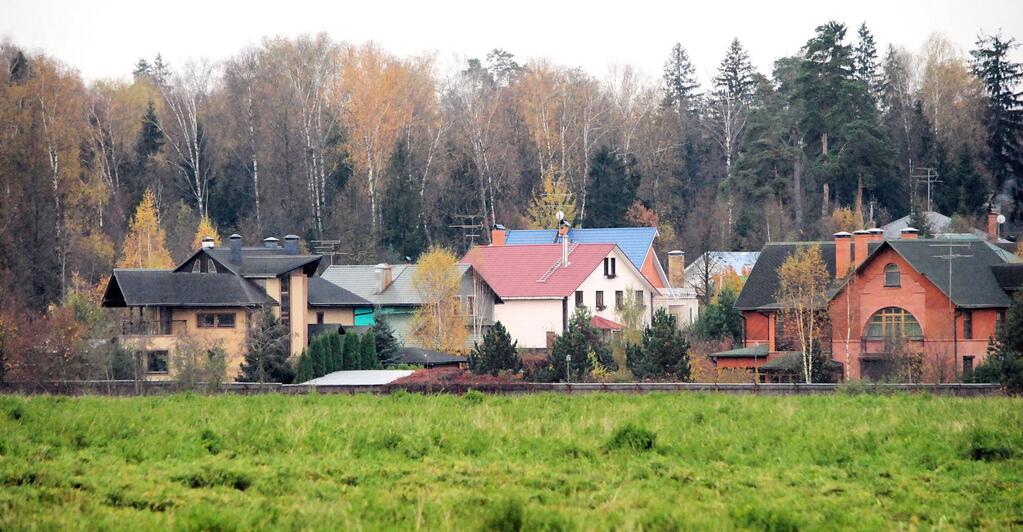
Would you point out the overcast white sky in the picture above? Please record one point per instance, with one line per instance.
(105, 38)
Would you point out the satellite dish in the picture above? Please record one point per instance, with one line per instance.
(560, 215)
(1001, 219)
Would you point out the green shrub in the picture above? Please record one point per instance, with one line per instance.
(505, 516)
(633, 438)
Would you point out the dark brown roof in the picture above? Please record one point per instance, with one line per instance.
(166, 288)
(974, 284)
(257, 262)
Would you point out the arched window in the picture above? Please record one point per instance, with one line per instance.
(892, 276)
(893, 322)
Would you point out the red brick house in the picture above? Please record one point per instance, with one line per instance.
(883, 290)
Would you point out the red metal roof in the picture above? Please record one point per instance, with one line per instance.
(605, 324)
(535, 270)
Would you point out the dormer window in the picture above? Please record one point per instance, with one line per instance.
(892, 275)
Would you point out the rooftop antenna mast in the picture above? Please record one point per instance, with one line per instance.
(329, 249)
(950, 257)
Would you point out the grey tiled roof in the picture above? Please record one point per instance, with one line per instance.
(1010, 276)
(323, 293)
(762, 284)
(177, 289)
(428, 357)
(361, 280)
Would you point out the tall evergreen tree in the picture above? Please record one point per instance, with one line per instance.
(736, 77)
(865, 61)
(388, 348)
(497, 352)
(680, 84)
(664, 351)
(1001, 78)
(611, 191)
(368, 352)
(352, 352)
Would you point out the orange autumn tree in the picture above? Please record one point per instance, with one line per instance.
(439, 323)
(145, 245)
(206, 229)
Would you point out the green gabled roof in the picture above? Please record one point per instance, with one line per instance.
(743, 352)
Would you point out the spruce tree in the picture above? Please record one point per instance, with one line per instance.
(352, 352)
(680, 85)
(736, 77)
(584, 344)
(497, 352)
(865, 61)
(1004, 362)
(388, 348)
(612, 189)
(1001, 78)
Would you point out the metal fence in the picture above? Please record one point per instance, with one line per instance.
(133, 388)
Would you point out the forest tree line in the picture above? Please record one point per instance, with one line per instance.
(340, 141)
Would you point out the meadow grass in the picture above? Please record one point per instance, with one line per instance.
(536, 462)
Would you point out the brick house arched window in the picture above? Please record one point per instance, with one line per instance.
(893, 322)
(892, 275)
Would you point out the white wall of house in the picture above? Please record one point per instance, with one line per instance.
(685, 308)
(528, 320)
(627, 279)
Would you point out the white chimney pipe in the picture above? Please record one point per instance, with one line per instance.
(564, 251)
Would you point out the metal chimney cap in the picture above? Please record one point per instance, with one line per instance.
(270, 239)
(676, 252)
(861, 232)
(235, 236)
(910, 230)
(875, 231)
(382, 266)
(290, 237)
(842, 234)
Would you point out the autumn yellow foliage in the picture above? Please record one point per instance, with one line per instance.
(439, 323)
(206, 229)
(846, 219)
(551, 196)
(145, 245)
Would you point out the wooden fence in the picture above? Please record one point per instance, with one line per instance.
(133, 388)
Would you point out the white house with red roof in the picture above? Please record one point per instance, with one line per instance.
(541, 284)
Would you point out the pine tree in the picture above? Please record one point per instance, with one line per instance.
(664, 351)
(551, 196)
(680, 85)
(497, 353)
(865, 61)
(205, 229)
(612, 189)
(352, 352)
(142, 70)
(145, 245)
(266, 356)
(368, 352)
(388, 348)
(720, 320)
(736, 77)
(20, 68)
(1001, 78)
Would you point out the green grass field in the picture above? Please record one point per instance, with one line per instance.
(650, 462)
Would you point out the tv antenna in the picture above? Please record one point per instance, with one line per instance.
(470, 224)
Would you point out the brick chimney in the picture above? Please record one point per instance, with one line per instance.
(860, 239)
(992, 225)
(676, 268)
(291, 244)
(876, 233)
(842, 251)
(909, 233)
(270, 242)
(234, 242)
(498, 234)
(383, 275)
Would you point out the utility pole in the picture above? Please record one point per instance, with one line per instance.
(469, 224)
(928, 176)
(950, 257)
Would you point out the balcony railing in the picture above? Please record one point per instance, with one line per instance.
(151, 328)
